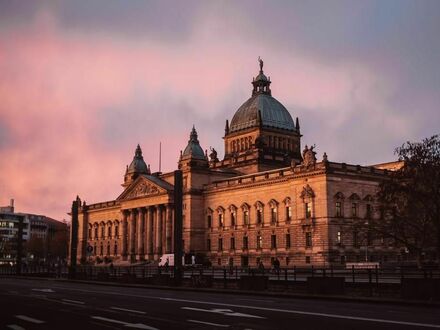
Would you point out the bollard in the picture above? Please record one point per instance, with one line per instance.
(370, 284)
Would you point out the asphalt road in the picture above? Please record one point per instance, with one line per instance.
(42, 304)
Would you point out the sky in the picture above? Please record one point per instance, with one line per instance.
(83, 82)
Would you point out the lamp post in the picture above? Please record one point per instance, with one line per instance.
(366, 242)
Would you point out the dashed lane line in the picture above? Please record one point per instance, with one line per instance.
(28, 319)
(73, 301)
(128, 310)
(211, 324)
(15, 327)
(336, 316)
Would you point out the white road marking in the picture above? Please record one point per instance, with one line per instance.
(28, 319)
(427, 325)
(227, 312)
(125, 324)
(209, 323)
(337, 316)
(43, 290)
(73, 301)
(15, 327)
(127, 310)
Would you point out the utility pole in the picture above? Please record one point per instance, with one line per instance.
(178, 224)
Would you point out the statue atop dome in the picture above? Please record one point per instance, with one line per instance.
(261, 63)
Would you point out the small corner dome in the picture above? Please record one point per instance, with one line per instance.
(193, 149)
(272, 112)
(138, 164)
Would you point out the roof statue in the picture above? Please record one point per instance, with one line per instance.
(261, 63)
(213, 155)
(309, 157)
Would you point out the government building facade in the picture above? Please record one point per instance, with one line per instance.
(267, 199)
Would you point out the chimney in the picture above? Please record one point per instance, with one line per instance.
(11, 204)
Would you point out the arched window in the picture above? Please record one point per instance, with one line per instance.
(354, 198)
(259, 209)
(288, 207)
(221, 216)
(109, 230)
(90, 232)
(246, 216)
(339, 204)
(96, 231)
(108, 249)
(233, 215)
(102, 230)
(308, 197)
(116, 229)
(273, 204)
(115, 249)
(209, 217)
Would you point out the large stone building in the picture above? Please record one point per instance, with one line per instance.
(266, 199)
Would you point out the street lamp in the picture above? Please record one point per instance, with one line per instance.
(366, 242)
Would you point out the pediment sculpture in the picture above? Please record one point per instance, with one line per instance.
(309, 157)
(143, 189)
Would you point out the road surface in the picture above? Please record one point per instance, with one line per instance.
(43, 304)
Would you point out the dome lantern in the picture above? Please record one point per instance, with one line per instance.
(261, 83)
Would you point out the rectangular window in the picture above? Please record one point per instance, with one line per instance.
(220, 244)
(208, 244)
(259, 241)
(308, 239)
(96, 232)
(354, 208)
(308, 210)
(109, 233)
(307, 260)
(338, 209)
(339, 237)
(209, 220)
(288, 213)
(273, 241)
(287, 241)
(245, 242)
(117, 231)
(232, 243)
(355, 239)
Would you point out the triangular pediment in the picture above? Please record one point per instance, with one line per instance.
(144, 186)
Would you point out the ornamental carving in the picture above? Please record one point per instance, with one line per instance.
(307, 192)
(143, 189)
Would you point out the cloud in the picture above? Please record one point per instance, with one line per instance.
(81, 86)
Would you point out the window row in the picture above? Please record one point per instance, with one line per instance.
(245, 214)
(104, 230)
(260, 244)
(356, 206)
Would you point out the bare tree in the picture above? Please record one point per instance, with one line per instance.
(410, 200)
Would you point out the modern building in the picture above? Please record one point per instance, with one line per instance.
(267, 198)
(39, 233)
(9, 227)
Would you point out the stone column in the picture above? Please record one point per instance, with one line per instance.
(168, 228)
(158, 231)
(140, 233)
(150, 220)
(132, 236)
(124, 235)
(161, 229)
